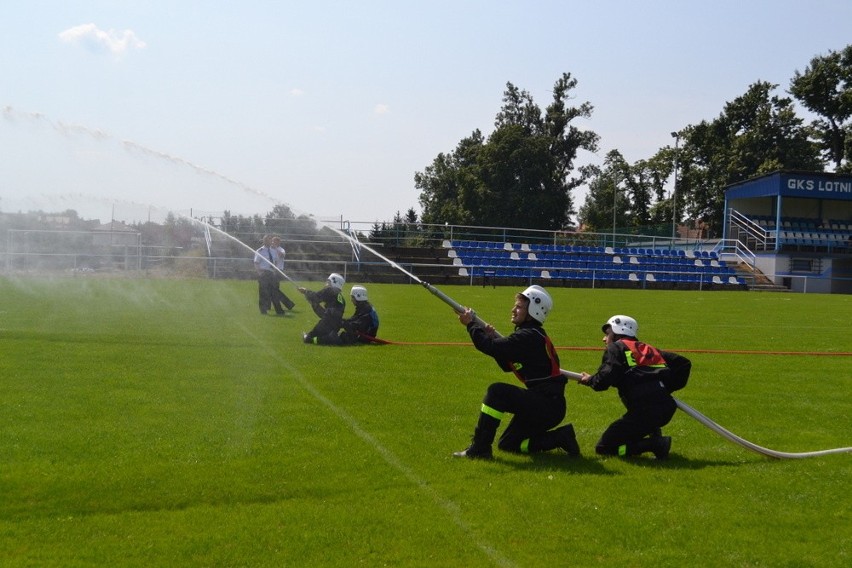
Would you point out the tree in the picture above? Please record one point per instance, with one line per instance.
(602, 210)
(640, 193)
(405, 230)
(757, 133)
(448, 188)
(517, 187)
(520, 176)
(647, 185)
(411, 216)
(825, 88)
(177, 233)
(280, 221)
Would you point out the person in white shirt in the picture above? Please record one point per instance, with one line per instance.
(264, 264)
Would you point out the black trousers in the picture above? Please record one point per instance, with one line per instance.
(266, 284)
(642, 418)
(328, 324)
(279, 296)
(534, 413)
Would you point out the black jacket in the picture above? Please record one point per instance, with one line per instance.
(527, 352)
(326, 302)
(365, 320)
(660, 373)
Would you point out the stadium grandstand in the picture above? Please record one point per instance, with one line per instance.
(592, 265)
(790, 230)
(794, 226)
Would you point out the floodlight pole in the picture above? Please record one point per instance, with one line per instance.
(614, 197)
(676, 136)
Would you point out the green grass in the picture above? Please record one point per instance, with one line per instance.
(167, 423)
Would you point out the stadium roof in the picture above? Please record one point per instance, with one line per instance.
(811, 185)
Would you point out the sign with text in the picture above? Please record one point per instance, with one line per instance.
(819, 187)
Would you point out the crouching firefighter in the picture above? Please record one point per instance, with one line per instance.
(529, 353)
(645, 378)
(362, 327)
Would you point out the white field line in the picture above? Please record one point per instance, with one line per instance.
(449, 506)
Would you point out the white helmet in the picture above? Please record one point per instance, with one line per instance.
(622, 325)
(336, 281)
(540, 302)
(359, 293)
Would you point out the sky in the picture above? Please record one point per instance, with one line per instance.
(129, 109)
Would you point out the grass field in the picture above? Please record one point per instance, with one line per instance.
(167, 423)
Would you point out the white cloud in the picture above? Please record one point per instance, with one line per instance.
(297, 92)
(381, 109)
(98, 40)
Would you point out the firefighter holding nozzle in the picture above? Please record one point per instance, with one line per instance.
(328, 303)
(539, 405)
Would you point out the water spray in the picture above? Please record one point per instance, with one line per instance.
(208, 226)
(69, 129)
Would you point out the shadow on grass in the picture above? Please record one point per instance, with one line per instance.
(554, 461)
(596, 465)
(676, 461)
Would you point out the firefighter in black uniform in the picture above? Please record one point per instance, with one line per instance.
(363, 325)
(530, 355)
(360, 327)
(328, 303)
(645, 378)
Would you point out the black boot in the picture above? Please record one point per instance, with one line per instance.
(562, 437)
(568, 440)
(660, 446)
(483, 437)
(475, 452)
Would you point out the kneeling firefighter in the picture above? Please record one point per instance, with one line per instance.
(645, 378)
(539, 405)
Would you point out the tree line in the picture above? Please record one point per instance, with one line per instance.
(523, 174)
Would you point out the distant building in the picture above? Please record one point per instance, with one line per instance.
(115, 233)
(58, 220)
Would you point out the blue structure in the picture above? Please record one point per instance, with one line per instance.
(798, 224)
(580, 265)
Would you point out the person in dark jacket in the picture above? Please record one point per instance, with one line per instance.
(529, 353)
(328, 303)
(363, 325)
(360, 327)
(645, 378)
